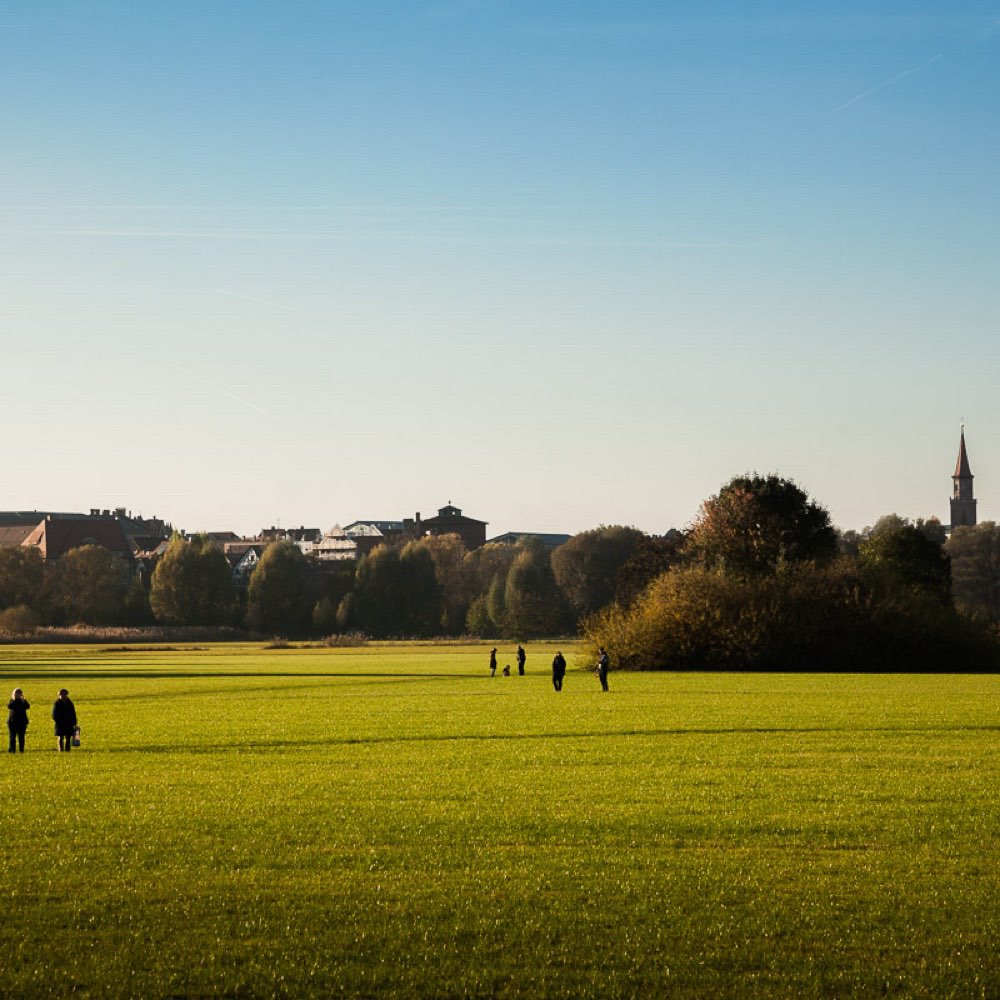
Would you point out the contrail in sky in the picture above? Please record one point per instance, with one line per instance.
(887, 83)
(222, 389)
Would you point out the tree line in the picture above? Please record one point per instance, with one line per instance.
(428, 587)
(760, 580)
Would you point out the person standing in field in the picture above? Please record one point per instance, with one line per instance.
(521, 657)
(558, 670)
(64, 716)
(603, 663)
(493, 662)
(17, 719)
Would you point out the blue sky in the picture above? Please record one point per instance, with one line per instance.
(561, 264)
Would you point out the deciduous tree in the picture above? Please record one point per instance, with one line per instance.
(586, 567)
(21, 577)
(455, 577)
(378, 597)
(975, 569)
(88, 587)
(911, 558)
(533, 603)
(755, 523)
(422, 606)
(192, 584)
(652, 557)
(280, 593)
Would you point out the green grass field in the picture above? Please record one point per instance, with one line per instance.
(389, 821)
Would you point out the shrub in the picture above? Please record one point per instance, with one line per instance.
(19, 620)
(841, 617)
(346, 641)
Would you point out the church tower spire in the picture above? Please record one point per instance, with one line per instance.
(963, 504)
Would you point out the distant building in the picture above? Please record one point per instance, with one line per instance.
(16, 525)
(303, 534)
(146, 560)
(550, 541)
(450, 521)
(55, 536)
(963, 503)
(222, 537)
(367, 535)
(143, 534)
(387, 529)
(370, 533)
(13, 535)
(335, 545)
(243, 558)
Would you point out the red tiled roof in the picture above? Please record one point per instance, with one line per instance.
(13, 535)
(56, 536)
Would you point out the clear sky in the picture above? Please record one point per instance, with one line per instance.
(561, 264)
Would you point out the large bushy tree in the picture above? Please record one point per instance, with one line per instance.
(455, 577)
(422, 605)
(652, 557)
(930, 527)
(755, 523)
(487, 563)
(396, 593)
(379, 595)
(586, 567)
(912, 558)
(192, 584)
(975, 569)
(22, 577)
(280, 595)
(335, 581)
(87, 586)
(533, 603)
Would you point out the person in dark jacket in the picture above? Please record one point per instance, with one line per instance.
(493, 662)
(17, 719)
(558, 670)
(64, 716)
(603, 664)
(521, 657)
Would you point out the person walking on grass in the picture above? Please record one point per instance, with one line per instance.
(558, 670)
(493, 662)
(64, 716)
(521, 657)
(603, 663)
(17, 719)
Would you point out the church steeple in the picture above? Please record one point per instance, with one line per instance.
(963, 503)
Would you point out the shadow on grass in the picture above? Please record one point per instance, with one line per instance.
(261, 746)
(36, 674)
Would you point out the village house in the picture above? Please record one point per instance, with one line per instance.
(335, 545)
(243, 558)
(55, 536)
(450, 521)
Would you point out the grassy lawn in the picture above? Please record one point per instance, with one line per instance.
(387, 820)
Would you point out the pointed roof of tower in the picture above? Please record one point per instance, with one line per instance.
(962, 470)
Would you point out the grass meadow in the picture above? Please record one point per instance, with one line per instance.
(389, 821)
